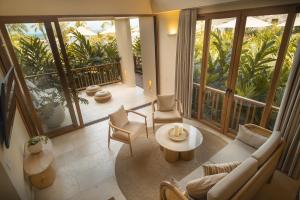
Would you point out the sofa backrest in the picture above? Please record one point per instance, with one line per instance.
(265, 151)
(228, 186)
(262, 176)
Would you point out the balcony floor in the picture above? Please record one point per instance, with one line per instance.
(122, 94)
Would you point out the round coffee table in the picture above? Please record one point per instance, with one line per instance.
(183, 150)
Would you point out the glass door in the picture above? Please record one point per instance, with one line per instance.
(37, 61)
(260, 46)
(217, 73)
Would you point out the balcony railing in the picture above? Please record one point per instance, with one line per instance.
(97, 75)
(244, 110)
(85, 76)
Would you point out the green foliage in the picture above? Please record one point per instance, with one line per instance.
(34, 56)
(136, 47)
(86, 52)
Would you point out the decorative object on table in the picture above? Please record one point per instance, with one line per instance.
(178, 134)
(92, 89)
(174, 150)
(123, 130)
(166, 109)
(102, 96)
(38, 167)
(35, 144)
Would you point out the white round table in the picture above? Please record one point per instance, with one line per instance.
(183, 150)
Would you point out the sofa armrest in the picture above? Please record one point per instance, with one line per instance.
(258, 130)
(169, 191)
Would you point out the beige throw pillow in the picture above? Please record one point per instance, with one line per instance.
(210, 169)
(248, 137)
(119, 118)
(198, 188)
(166, 102)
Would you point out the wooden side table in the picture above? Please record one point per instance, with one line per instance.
(38, 167)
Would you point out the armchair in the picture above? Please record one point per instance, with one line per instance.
(166, 109)
(123, 130)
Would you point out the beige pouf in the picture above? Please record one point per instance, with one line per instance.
(102, 96)
(92, 89)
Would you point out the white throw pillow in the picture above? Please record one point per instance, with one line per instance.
(248, 137)
(119, 118)
(166, 102)
(199, 187)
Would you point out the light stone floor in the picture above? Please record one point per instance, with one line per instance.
(85, 166)
(122, 94)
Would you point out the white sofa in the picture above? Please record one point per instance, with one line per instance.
(256, 169)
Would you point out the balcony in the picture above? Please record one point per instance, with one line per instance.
(244, 110)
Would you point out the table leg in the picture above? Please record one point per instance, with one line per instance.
(187, 155)
(171, 156)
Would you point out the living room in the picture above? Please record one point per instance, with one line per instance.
(150, 99)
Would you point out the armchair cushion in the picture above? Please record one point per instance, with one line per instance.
(199, 187)
(119, 118)
(133, 127)
(167, 117)
(251, 138)
(166, 103)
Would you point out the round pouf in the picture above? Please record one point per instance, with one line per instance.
(92, 89)
(102, 96)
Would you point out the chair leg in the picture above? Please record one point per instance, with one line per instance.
(153, 127)
(108, 137)
(130, 147)
(146, 127)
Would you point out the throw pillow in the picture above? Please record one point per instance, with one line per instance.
(248, 137)
(198, 188)
(119, 118)
(210, 169)
(166, 102)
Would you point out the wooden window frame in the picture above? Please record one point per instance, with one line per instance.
(241, 17)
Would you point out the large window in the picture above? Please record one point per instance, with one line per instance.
(240, 68)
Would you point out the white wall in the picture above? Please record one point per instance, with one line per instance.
(12, 158)
(69, 7)
(167, 23)
(123, 36)
(147, 35)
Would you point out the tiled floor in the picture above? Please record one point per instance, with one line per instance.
(85, 166)
(122, 94)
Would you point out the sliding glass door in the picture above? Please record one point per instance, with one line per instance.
(245, 62)
(261, 42)
(40, 71)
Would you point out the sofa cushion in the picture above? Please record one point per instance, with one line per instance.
(166, 103)
(119, 118)
(266, 150)
(199, 187)
(230, 184)
(252, 139)
(233, 151)
(167, 117)
(210, 169)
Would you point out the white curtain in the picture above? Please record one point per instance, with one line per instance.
(288, 121)
(185, 59)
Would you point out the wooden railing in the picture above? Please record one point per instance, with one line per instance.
(244, 110)
(97, 75)
(85, 76)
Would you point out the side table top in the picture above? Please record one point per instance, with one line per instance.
(194, 139)
(37, 163)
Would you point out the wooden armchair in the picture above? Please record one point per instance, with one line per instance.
(166, 109)
(125, 131)
(169, 191)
